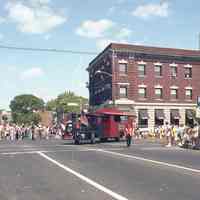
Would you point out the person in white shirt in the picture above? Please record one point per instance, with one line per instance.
(167, 130)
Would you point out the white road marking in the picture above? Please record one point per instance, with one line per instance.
(84, 178)
(43, 151)
(14, 145)
(33, 151)
(151, 161)
(19, 152)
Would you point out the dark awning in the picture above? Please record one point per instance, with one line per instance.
(175, 114)
(143, 114)
(160, 114)
(189, 114)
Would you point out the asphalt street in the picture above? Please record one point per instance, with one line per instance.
(59, 170)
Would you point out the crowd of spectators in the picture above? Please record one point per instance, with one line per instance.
(15, 132)
(173, 135)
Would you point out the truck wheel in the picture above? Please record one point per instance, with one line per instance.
(117, 139)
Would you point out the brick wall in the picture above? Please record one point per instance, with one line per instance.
(150, 80)
(166, 56)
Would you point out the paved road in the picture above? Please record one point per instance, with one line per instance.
(58, 170)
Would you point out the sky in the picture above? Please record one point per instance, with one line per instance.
(82, 25)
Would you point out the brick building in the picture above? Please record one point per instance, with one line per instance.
(158, 84)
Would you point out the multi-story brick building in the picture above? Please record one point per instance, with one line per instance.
(159, 84)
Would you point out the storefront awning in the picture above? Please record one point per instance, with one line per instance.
(189, 114)
(160, 114)
(175, 114)
(143, 114)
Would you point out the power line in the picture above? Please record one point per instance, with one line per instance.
(47, 50)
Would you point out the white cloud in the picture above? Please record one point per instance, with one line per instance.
(95, 29)
(147, 10)
(34, 72)
(124, 33)
(33, 17)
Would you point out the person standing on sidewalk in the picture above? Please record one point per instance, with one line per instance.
(167, 130)
(129, 133)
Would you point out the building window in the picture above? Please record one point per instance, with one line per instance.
(188, 94)
(143, 118)
(188, 72)
(174, 117)
(123, 68)
(142, 70)
(123, 92)
(158, 70)
(142, 92)
(159, 117)
(174, 93)
(173, 71)
(158, 93)
(189, 117)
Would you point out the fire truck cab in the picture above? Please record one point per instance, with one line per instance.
(101, 125)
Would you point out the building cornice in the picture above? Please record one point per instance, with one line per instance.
(165, 104)
(138, 55)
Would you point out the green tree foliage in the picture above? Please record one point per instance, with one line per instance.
(61, 103)
(51, 105)
(24, 109)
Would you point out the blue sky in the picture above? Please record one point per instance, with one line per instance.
(87, 25)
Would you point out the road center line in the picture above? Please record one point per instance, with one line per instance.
(149, 160)
(84, 178)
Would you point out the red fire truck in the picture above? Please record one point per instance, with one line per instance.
(101, 125)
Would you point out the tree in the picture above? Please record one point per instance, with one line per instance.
(61, 103)
(24, 109)
(51, 105)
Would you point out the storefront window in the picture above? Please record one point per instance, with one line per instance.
(174, 117)
(143, 118)
(159, 117)
(189, 117)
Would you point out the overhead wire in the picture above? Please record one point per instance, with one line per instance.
(47, 50)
